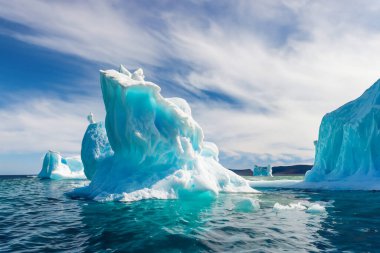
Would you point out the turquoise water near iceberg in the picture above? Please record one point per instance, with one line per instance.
(36, 216)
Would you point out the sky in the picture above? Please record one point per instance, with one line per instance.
(259, 75)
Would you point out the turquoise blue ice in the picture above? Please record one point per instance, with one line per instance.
(348, 148)
(262, 171)
(151, 147)
(57, 167)
(95, 148)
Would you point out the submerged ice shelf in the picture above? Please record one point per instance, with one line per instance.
(56, 167)
(149, 147)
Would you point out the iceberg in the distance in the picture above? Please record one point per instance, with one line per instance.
(56, 167)
(261, 171)
(348, 147)
(156, 147)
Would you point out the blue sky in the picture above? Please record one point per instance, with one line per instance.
(259, 75)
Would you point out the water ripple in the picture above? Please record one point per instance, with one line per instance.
(36, 216)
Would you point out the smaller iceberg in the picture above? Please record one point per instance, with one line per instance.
(259, 171)
(56, 167)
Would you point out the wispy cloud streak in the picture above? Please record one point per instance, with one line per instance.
(286, 62)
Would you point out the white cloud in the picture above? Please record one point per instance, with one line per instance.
(96, 30)
(300, 81)
(328, 57)
(39, 124)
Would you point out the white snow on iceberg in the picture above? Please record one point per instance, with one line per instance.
(56, 167)
(247, 205)
(156, 147)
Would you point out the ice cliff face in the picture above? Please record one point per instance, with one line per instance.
(56, 167)
(348, 147)
(95, 147)
(155, 150)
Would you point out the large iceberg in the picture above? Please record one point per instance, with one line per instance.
(149, 147)
(56, 167)
(347, 151)
(348, 147)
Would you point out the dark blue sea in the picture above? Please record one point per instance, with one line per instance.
(37, 216)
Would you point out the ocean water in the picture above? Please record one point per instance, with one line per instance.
(37, 216)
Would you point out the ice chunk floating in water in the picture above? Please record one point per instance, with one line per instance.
(247, 205)
(348, 147)
(307, 207)
(56, 167)
(151, 147)
(292, 206)
(316, 209)
(259, 171)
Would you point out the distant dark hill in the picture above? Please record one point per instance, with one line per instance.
(243, 172)
(299, 169)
